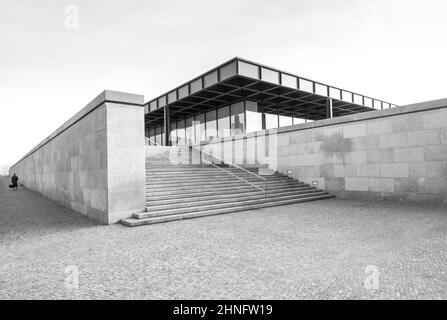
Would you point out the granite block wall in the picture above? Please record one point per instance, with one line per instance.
(399, 154)
(94, 163)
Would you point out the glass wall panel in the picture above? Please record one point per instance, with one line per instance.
(386, 105)
(158, 136)
(288, 81)
(271, 121)
(237, 118)
(181, 135)
(306, 85)
(285, 121)
(223, 121)
(210, 79)
(270, 75)
(163, 140)
(174, 133)
(248, 70)
(190, 130)
(211, 125)
(254, 117)
(368, 102)
(228, 71)
(298, 120)
(199, 126)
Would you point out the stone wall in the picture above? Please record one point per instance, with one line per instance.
(94, 163)
(398, 153)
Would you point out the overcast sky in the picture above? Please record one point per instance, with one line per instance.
(393, 50)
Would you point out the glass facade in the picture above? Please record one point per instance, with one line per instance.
(271, 121)
(211, 125)
(223, 122)
(238, 118)
(254, 116)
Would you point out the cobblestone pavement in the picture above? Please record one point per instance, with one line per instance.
(332, 249)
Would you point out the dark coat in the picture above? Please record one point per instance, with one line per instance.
(14, 180)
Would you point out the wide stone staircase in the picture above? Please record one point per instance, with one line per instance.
(179, 191)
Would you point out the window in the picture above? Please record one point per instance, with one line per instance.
(254, 117)
(223, 122)
(199, 126)
(181, 135)
(237, 118)
(174, 133)
(248, 70)
(158, 136)
(211, 125)
(298, 121)
(271, 121)
(285, 121)
(190, 130)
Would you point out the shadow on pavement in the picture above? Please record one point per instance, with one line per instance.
(27, 212)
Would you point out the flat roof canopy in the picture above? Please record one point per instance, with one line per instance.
(276, 92)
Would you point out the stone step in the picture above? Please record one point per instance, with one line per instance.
(133, 222)
(191, 202)
(224, 192)
(217, 185)
(222, 179)
(190, 169)
(152, 213)
(179, 175)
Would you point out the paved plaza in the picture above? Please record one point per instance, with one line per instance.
(330, 249)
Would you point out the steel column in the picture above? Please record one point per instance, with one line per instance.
(329, 108)
(167, 126)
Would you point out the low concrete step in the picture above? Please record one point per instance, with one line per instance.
(190, 169)
(152, 213)
(210, 192)
(134, 222)
(214, 179)
(216, 186)
(221, 194)
(152, 206)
